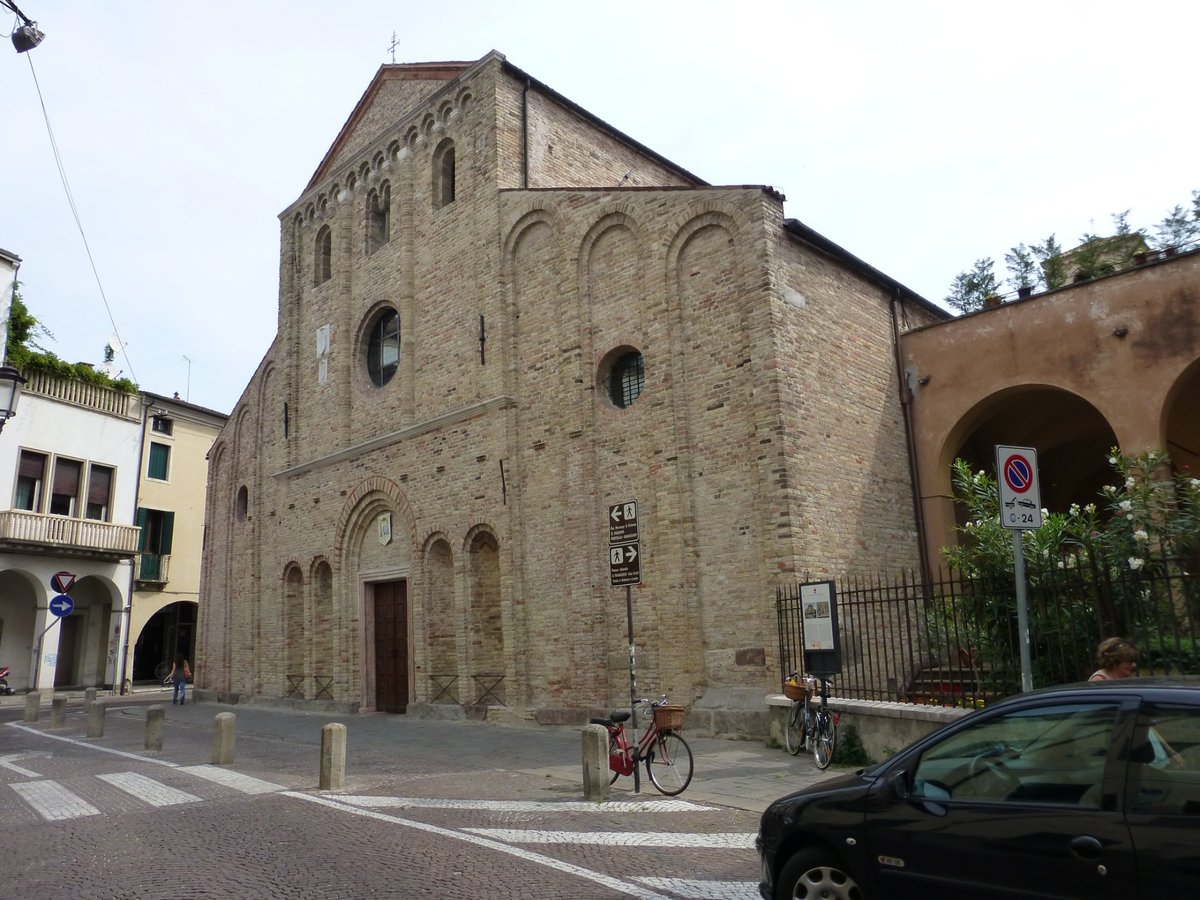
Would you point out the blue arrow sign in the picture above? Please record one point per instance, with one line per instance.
(62, 605)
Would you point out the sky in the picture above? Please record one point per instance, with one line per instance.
(919, 136)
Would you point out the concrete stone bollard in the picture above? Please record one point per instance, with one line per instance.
(154, 727)
(33, 706)
(89, 697)
(58, 711)
(95, 719)
(224, 735)
(595, 763)
(333, 757)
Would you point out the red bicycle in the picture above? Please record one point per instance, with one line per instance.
(667, 756)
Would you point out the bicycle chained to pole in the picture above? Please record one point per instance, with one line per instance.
(667, 756)
(808, 728)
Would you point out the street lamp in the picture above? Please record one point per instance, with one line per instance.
(26, 36)
(11, 383)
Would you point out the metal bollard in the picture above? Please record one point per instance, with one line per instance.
(224, 735)
(58, 711)
(154, 727)
(95, 719)
(595, 763)
(33, 703)
(333, 757)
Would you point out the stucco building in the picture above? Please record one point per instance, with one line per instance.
(175, 441)
(1108, 362)
(498, 316)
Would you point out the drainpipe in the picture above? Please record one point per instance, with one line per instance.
(127, 612)
(911, 447)
(525, 135)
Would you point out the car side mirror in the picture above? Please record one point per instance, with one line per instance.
(894, 788)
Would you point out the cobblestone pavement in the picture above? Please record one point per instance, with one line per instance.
(438, 809)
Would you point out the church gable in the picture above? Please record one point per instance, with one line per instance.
(396, 91)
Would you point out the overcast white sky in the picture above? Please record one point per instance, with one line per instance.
(919, 136)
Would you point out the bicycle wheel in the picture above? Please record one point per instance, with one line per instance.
(793, 729)
(825, 740)
(669, 763)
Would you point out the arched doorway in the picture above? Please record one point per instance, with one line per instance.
(1181, 421)
(171, 630)
(1072, 439)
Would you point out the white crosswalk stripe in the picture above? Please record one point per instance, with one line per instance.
(53, 802)
(721, 840)
(247, 784)
(148, 790)
(535, 806)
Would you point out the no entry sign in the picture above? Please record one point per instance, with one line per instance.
(1020, 496)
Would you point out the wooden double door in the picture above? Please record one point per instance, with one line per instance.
(391, 646)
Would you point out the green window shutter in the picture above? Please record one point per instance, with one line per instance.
(159, 456)
(140, 521)
(168, 531)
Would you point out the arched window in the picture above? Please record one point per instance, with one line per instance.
(383, 347)
(321, 259)
(443, 174)
(627, 378)
(379, 217)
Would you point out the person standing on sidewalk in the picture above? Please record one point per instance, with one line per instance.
(178, 676)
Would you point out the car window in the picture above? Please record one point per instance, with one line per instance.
(1164, 770)
(1046, 755)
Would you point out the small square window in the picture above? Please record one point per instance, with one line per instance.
(160, 458)
(162, 425)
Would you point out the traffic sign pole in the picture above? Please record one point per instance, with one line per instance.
(1020, 511)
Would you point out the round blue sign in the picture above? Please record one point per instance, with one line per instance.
(62, 605)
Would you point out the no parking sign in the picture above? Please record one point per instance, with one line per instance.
(1020, 495)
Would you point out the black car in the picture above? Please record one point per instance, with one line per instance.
(1089, 790)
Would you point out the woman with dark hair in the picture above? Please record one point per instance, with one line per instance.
(1117, 657)
(178, 676)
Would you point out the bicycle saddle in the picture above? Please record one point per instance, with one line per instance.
(614, 718)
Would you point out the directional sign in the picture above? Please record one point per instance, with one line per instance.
(625, 564)
(62, 605)
(62, 581)
(623, 523)
(1020, 495)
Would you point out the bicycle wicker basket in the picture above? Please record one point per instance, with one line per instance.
(793, 690)
(668, 718)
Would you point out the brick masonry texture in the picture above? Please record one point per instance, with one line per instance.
(767, 445)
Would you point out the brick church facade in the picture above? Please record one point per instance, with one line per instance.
(498, 316)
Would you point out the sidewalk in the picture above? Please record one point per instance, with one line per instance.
(383, 750)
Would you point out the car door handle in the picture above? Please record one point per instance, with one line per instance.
(1086, 847)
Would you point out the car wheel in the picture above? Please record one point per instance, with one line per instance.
(815, 873)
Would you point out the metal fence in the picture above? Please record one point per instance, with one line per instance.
(954, 641)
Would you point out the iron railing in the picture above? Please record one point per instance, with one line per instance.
(954, 641)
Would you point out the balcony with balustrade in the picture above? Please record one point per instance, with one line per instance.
(38, 533)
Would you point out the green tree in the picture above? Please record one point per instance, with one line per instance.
(1178, 227)
(1022, 267)
(970, 289)
(1049, 254)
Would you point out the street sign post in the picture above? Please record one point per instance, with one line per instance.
(625, 568)
(1020, 510)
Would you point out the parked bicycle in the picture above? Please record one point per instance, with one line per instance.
(667, 756)
(807, 728)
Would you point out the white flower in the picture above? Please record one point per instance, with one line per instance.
(1112, 460)
(1141, 535)
(1045, 512)
(1060, 564)
(1090, 508)
(1125, 506)
(1129, 516)
(1195, 482)
(1130, 482)
(1074, 510)
(1136, 563)
(1071, 562)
